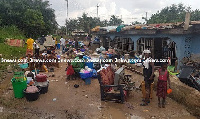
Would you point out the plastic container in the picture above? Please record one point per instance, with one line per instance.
(94, 73)
(41, 78)
(18, 87)
(19, 73)
(29, 79)
(32, 96)
(43, 86)
(82, 50)
(23, 66)
(89, 64)
(132, 61)
(86, 75)
(169, 91)
(87, 81)
(37, 71)
(86, 57)
(19, 76)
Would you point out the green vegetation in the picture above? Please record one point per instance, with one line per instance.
(174, 13)
(34, 17)
(86, 23)
(7, 51)
(10, 52)
(20, 19)
(10, 32)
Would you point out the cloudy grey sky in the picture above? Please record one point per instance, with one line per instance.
(128, 10)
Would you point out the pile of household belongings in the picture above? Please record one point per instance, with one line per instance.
(104, 53)
(99, 50)
(37, 84)
(95, 29)
(108, 28)
(88, 72)
(14, 42)
(107, 75)
(49, 41)
(77, 65)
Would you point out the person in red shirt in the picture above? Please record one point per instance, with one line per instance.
(70, 71)
(162, 84)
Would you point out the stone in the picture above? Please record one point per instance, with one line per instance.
(1, 109)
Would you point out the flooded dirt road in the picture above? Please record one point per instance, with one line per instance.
(63, 101)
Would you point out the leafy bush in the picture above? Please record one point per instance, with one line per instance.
(10, 32)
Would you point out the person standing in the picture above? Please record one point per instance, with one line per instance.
(30, 42)
(56, 42)
(37, 49)
(162, 84)
(76, 44)
(148, 72)
(62, 43)
(42, 40)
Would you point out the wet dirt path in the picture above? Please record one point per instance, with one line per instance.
(84, 102)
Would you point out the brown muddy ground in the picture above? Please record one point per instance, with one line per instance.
(63, 101)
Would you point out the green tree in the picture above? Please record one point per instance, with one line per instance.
(34, 23)
(86, 23)
(174, 13)
(13, 12)
(72, 25)
(114, 21)
(105, 23)
(136, 22)
(195, 15)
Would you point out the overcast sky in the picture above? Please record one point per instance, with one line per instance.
(128, 10)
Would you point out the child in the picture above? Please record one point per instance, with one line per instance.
(162, 84)
(70, 71)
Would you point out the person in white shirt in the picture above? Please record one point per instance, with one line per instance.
(62, 43)
(37, 48)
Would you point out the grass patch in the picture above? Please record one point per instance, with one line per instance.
(10, 32)
(10, 52)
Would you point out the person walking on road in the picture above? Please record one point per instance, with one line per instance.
(62, 43)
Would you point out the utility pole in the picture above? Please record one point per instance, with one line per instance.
(146, 16)
(67, 16)
(97, 10)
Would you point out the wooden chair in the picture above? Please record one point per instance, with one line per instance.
(110, 95)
